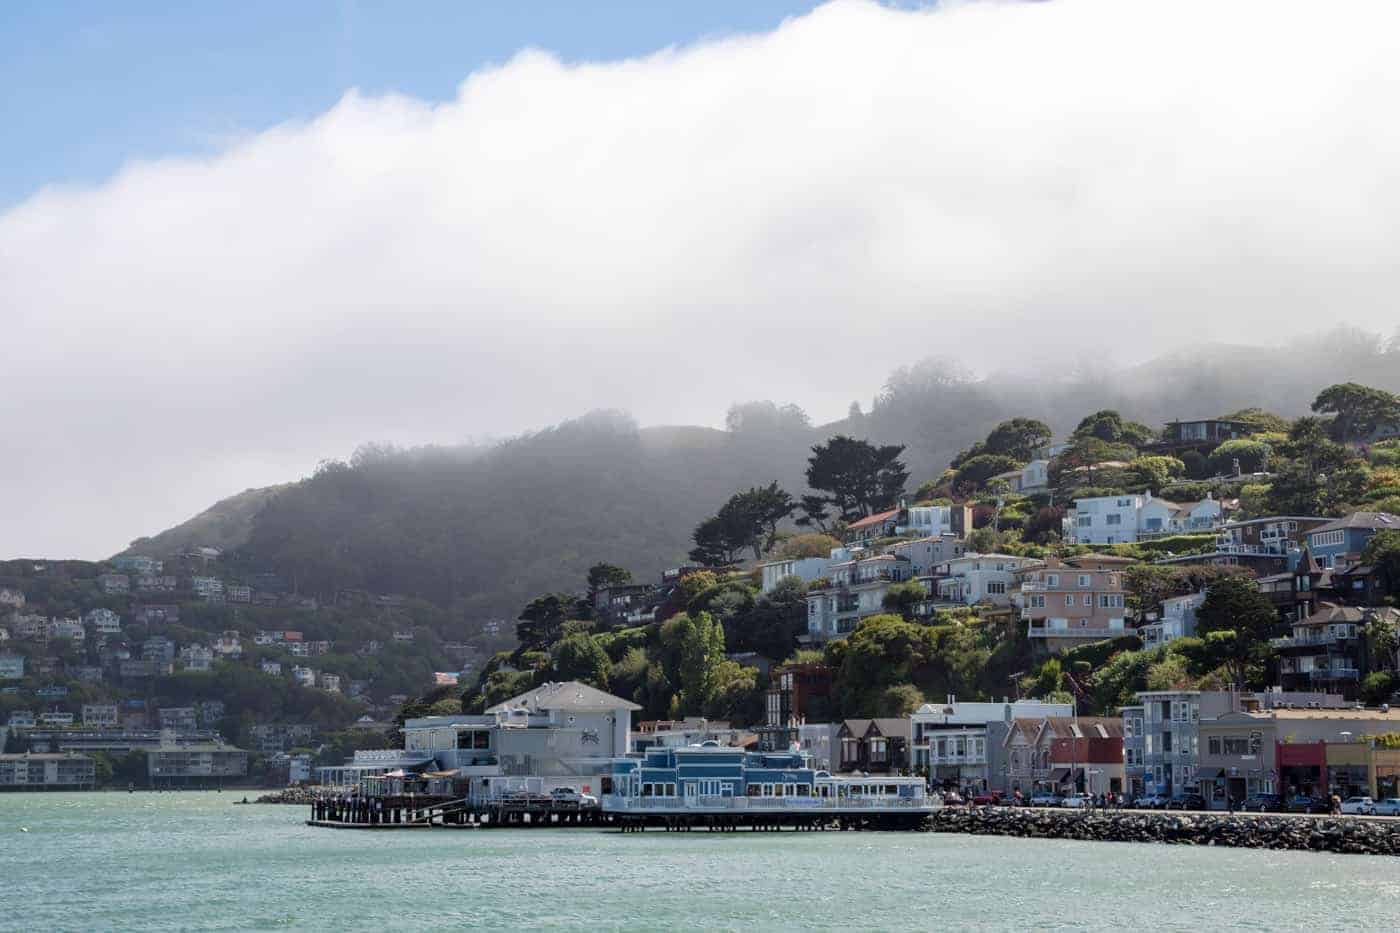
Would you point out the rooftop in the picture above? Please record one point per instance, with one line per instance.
(1379, 521)
(875, 519)
(567, 695)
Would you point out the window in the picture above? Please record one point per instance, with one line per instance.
(1110, 600)
(996, 587)
(1235, 745)
(1085, 521)
(1069, 599)
(1088, 600)
(1085, 579)
(1052, 579)
(1166, 741)
(1113, 518)
(1036, 602)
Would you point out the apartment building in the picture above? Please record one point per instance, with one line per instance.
(1073, 602)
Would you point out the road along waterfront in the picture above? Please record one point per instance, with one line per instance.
(194, 861)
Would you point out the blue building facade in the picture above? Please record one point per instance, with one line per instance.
(712, 771)
(1340, 543)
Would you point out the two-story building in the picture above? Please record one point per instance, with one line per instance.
(872, 527)
(1339, 543)
(874, 746)
(1073, 602)
(47, 772)
(1175, 619)
(104, 622)
(932, 521)
(926, 554)
(1028, 758)
(1130, 518)
(1328, 649)
(100, 716)
(854, 590)
(979, 579)
(950, 739)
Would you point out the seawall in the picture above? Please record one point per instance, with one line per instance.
(1266, 831)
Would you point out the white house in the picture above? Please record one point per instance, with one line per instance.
(979, 578)
(805, 569)
(1178, 620)
(196, 658)
(856, 589)
(1131, 518)
(229, 644)
(21, 719)
(927, 520)
(1035, 476)
(304, 676)
(330, 683)
(272, 667)
(9, 596)
(924, 554)
(71, 629)
(104, 622)
(56, 719)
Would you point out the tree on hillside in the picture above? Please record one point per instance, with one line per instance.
(814, 512)
(1317, 475)
(1018, 438)
(1236, 620)
(1253, 457)
(1155, 472)
(542, 620)
(766, 418)
(859, 478)
(1383, 553)
(1084, 454)
(700, 651)
(580, 657)
(1108, 426)
(1260, 420)
(1358, 410)
(748, 521)
(807, 545)
(975, 473)
(601, 577)
(903, 598)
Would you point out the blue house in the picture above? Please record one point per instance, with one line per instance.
(1339, 543)
(711, 771)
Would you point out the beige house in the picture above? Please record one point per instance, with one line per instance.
(1073, 602)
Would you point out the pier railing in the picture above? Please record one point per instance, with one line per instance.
(715, 803)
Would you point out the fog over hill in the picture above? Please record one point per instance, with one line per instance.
(484, 528)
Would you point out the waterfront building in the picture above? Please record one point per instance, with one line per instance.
(797, 693)
(951, 744)
(557, 735)
(1030, 760)
(1281, 750)
(690, 731)
(710, 778)
(195, 763)
(874, 746)
(47, 772)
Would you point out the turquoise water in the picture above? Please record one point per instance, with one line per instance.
(193, 861)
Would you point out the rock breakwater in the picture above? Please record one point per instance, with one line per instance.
(1344, 834)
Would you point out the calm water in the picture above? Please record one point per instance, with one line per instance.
(195, 862)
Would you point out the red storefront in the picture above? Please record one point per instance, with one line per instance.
(1302, 768)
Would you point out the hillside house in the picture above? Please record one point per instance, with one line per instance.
(104, 622)
(1073, 602)
(979, 579)
(1337, 544)
(11, 597)
(854, 590)
(113, 584)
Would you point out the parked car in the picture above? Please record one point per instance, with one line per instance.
(1151, 802)
(571, 795)
(953, 799)
(1305, 804)
(1186, 802)
(989, 799)
(1076, 801)
(1263, 803)
(1046, 798)
(1362, 806)
(1390, 806)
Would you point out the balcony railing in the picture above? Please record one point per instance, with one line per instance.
(1322, 638)
(891, 802)
(1078, 632)
(1334, 673)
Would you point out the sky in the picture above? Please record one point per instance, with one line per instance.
(236, 241)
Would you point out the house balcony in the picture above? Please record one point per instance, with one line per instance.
(1334, 673)
(1033, 586)
(1094, 631)
(1305, 641)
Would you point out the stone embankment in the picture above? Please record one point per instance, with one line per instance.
(298, 795)
(1316, 834)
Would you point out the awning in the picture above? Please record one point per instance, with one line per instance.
(442, 774)
(1210, 774)
(1058, 775)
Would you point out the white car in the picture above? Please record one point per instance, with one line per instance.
(1359, 805)
(1076, 802)
(1390, 806)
